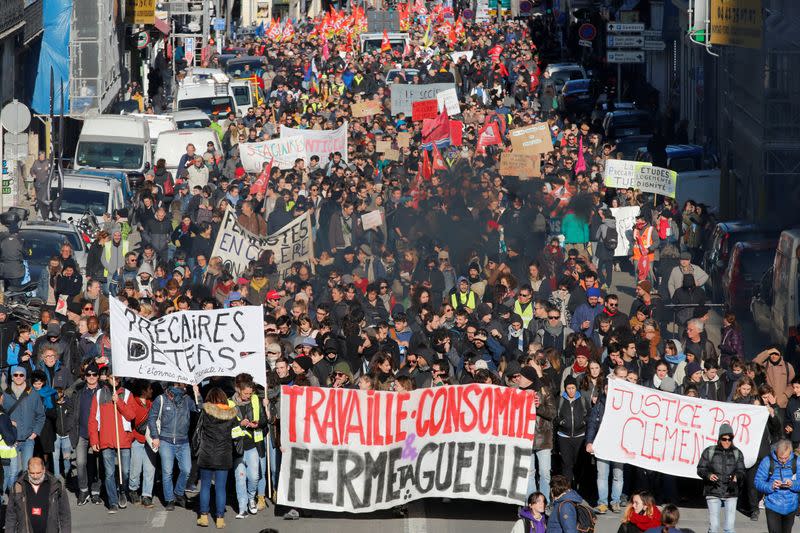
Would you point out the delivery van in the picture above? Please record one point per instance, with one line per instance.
(774, 305)
(373, 41)
(116, 142)
(171, 145)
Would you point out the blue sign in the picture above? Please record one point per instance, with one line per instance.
(587, 31)
(219, 24)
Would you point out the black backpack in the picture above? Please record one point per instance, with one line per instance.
(586, 520)
(611, 239)
(772, 466)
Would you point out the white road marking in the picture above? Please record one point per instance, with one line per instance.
(159, 519)
(416, 521)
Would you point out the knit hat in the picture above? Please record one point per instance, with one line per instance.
(530, 374)
(725, 429)
(19, 370)
(342, 368)
(692, 368)
(304, 362)
(593, 291)
(570, 380)
(584, 351)
(686, 256)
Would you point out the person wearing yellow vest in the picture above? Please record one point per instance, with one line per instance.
(523, 305)
(113, 258)
(462, 296)
(248, 465)
(8, 437)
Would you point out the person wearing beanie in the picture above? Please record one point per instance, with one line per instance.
(721, 468)
(570, 425)
(462, 296)
(302, 365)
(583, 319)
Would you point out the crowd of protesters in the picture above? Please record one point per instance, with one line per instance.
(473, 277)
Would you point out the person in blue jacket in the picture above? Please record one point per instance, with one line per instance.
(564, 518)
(777, 479)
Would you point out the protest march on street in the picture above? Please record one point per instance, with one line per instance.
(418, 264)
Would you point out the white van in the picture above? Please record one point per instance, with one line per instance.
(190, 119)
(116, 142)
(157, 123)
(171, 145)
(775, 303)
(215, 95)
(372, 41)
(93, 193)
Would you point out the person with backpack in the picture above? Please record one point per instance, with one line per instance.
(776, 479)
(607, 239)
(722, 469)
(571, 514)
(532, 517)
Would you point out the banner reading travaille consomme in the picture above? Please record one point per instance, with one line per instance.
(359, 451)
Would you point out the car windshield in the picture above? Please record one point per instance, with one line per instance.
(79, 200)
(102, 154)
(238, 69)
(399, 76)
(755, 262)
(195, 123)
(563, 76)
(370, 45)
(220, 105)
(40, 245)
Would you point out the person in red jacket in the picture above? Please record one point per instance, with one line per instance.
(143, 458)
(104, 438)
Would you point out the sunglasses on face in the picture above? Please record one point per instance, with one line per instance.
(553, 317)
(91, 374)
(19, 375)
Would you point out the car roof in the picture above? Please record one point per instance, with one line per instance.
(188, 114)
(766, 244)
(677, 150)
(628, 112)
(47, 225)
(582, 81)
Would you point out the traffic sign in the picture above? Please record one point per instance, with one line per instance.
(525, 8)
(654, 46)
(618, 27)
(219, 24)
(142, 40)
(625, 56)
(585, 43)
(587, 31)
(15, 117)
(624, 41)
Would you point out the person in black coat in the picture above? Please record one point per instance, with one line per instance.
(214, 447)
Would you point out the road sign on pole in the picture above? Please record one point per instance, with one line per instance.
(618, 27)
(654, 46)
(625, 56)
(624, 41)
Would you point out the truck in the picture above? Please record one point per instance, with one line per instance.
(115, 142)
(214, 94)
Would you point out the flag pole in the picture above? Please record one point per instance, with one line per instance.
(116, 431)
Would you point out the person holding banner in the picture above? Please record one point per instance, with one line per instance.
(722, 469)
(604, 467)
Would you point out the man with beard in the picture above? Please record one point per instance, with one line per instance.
(38, 502)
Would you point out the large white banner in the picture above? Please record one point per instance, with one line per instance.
(188, 346)
(283, 152)
(640, 175)
(359, 451)
(403, 95)
(320, 143)
(238, 247)
(625, 218)
(666, 432)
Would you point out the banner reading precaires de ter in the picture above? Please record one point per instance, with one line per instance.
(359, 451)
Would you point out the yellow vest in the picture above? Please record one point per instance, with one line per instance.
(527, 314)
(458, 299)
(6, 451)
(237, 432)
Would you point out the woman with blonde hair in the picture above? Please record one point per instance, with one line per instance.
(641, 514)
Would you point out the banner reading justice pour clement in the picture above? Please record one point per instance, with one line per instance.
(188, 346)
(666, 432)
(359, 451)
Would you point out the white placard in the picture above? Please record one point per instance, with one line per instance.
(371, 220)
(625, 218)
(449, 100)
(283, 152)
(188, 346)
(320, 143)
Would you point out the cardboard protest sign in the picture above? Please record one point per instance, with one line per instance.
(522, 165)
(358, 451)
(366, 109)
(640, 175)
(403, 139)
(321, 143)
(283, 152)
(370, 220)
(534, 139)
(403, 95)
(382, 146)
(448, 100)
(667, 432)
(424, 109)
(188, 346)
(391, 155)
(237, 246)
(625, 218)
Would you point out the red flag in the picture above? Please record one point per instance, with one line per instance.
(488, 135)
(456, 132)
(386, 46)
(435, 129)
(425, 169)
(438, 160)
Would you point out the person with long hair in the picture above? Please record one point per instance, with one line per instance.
(641, 514)
(670, 515)
(214, 447)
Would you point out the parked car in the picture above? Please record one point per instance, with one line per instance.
(723, 239)
(774, 306)
(748, 262)
(43, 240)
(576, 96)
(84, 192)
(561, 73)
(625, 122)
(632, 145)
